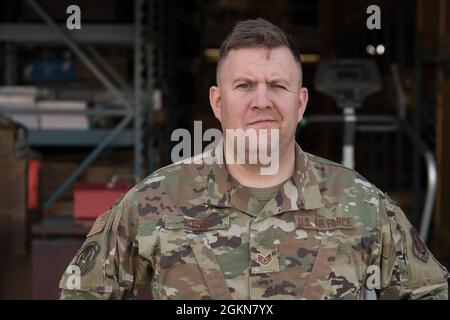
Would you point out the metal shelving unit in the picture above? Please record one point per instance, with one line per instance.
(38, 33)
(129, 35)
(78, 138)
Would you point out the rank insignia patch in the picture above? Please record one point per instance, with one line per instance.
(86, 257)
(419, 248)
(264, 260)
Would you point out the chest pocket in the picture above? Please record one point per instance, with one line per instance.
(188, 264)
(321, 262)
(318, 283)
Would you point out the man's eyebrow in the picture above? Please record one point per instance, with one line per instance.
(242, 79)
(279, 80)
(272, 81)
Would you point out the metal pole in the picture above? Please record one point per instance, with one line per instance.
(138, 108)
(348, 149)
(401, 112)
(10, 64)
(149, 88)
(109, 112)
(369, 118)
(385, 160)
(416, 159)
(430, 196)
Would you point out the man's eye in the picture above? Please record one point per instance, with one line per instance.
(243, 85)
(279, 86)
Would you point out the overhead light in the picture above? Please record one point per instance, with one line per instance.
(212, 55)
(309, 57)
(380, 49)
(370, 49)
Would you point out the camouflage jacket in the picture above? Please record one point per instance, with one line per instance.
(194, 232)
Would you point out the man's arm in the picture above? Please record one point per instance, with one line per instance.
(108, 265)
(408, 269)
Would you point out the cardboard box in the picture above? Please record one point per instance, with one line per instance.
(15, 218)
(12, 136)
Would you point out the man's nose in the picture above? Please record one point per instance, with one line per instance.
(261, 99)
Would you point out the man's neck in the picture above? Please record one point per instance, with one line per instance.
(250, 174)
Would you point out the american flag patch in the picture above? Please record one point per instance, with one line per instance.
(99, 224)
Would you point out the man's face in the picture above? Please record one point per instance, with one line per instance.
(260, 89)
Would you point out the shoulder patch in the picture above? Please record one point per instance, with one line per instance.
(419, 248)
(85, 259)
(99, 224)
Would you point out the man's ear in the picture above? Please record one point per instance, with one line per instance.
(215, 101)
(302, 102)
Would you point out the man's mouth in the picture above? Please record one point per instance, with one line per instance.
(262, 121)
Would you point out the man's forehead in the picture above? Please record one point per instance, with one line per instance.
(248, 62)
(260, 54)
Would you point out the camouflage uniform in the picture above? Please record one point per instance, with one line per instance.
(195, 233)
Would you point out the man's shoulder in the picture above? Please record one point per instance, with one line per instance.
(337, 177)
(176, 173)
(170, 188)
(348, 193)
(194, 166)
(330, 167)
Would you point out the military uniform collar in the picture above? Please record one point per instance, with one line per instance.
(299, 192)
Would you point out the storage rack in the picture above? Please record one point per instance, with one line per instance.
(148, 60)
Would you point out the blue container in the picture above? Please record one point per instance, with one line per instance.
(49, 70)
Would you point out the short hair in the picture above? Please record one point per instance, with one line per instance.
(257, 33)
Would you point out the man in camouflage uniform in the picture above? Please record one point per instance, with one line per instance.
(315, 230)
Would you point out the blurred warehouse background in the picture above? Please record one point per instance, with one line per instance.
(85, 113)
